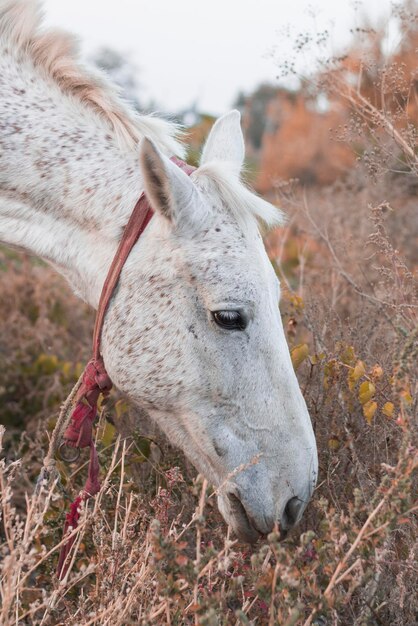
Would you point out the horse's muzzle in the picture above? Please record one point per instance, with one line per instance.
(250, 525)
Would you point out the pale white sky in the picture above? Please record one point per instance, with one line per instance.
(204, 50)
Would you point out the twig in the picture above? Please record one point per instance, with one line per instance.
(335, 577)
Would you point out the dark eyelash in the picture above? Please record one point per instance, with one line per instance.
(230, 320)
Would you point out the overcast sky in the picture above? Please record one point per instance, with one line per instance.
(205, 51)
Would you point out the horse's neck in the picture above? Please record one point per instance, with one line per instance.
(66, 188)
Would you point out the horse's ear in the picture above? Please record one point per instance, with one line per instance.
(169, 190)
(225, 141)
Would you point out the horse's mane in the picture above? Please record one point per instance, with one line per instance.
(55, 54)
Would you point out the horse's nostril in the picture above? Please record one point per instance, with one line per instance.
(220, 451)
(293, 511)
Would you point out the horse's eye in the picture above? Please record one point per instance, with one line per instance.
(231, 320)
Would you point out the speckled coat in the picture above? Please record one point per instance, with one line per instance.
(72, 166)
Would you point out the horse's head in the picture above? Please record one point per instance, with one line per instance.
(194, 335)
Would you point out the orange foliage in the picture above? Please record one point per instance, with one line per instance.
(317, 133)
(297, 143)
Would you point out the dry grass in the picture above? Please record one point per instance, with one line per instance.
(152, 548)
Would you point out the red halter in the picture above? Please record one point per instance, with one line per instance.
(95, 380)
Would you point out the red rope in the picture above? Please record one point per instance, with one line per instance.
(96, 381)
